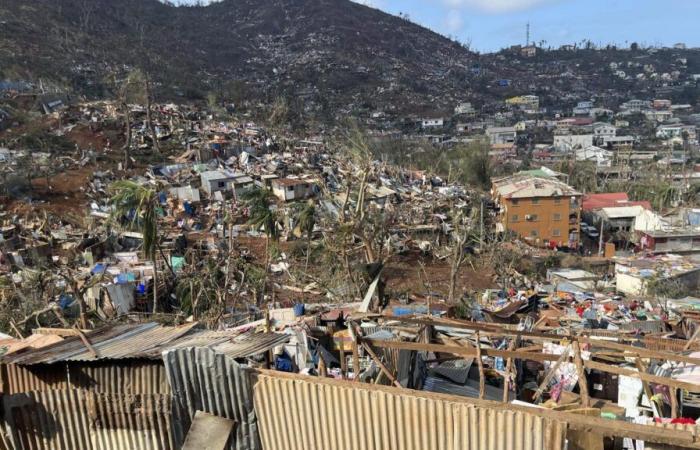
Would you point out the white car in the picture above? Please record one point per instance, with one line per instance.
(592, 233)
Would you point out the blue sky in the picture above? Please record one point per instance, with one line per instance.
(493, 24)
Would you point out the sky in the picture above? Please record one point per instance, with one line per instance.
(489, 25)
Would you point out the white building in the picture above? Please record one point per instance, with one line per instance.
(569, 142)
(287, 189)
(433, 123)
(224, 181)
(501, 135)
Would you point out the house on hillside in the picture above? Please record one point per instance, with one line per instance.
(501, 135)
(543, 211)
(224, 181)
(289, 189)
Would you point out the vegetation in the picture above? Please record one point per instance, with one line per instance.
(138, 205)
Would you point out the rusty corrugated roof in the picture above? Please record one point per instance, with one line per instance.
(147, 340)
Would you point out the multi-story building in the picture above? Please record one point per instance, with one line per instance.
(542, 210)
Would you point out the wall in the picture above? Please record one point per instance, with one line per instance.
(545, 224)
(301, 413)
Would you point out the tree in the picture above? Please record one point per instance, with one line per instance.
(461, 235)
(307, 222)
(259, 201)
(139, 204)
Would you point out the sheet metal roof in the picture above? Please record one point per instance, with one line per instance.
(148, 340)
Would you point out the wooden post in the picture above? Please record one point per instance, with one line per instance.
(582, 381)
(323, 373)
(509, 366)
(343, 362)
(482, 375)
(674, 402)
(355, 361)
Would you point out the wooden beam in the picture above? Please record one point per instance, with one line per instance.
(692, 338)
(582, 381)
(382, 367)
(643, 352)
(642, 376)
(87, 343)
(461, 350)
(550, 374)
(647, 389)
(519, 354)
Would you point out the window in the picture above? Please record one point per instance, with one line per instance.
(556, 232)
(533, 233)
(557, 201)
(515, 202)
(290, 188)
(557, 216)
(531, 217)
(535, 201)
(514, 218)
(222, 184)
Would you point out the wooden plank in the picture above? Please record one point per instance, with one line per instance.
(643, 352)
(550, 374)
(582, 381)
(382, 367)
(647, 389)
(462, 351)
(642, 376)
(518, 354)
(86, 342)
(208, 432)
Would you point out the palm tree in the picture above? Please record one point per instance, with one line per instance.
(139, 204)
(259, 201)
(307, 222)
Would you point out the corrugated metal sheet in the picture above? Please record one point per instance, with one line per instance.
(302, 413)
(203, 380)
(17, 379)
(75, 419)
(120, 377)
(123, 377)
(146, 341)
(251, 344)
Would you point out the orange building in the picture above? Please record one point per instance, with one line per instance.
(543, 211)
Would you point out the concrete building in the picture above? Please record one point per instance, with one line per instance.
(224, 181)
(288, 189)
(543, 211)
(569, 142)
(501, 135)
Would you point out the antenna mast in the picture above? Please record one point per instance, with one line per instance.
(527, 35)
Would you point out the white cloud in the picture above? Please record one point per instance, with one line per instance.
(497, 6)
(454, 21)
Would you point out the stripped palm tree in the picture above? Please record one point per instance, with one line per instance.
(261, 216)
(307, 222)
(139, 205)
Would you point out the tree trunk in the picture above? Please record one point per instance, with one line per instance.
(308, 253)
(149, 118)
(127, 131)
(155, 282)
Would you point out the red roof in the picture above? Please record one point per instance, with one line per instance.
(609, 200)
